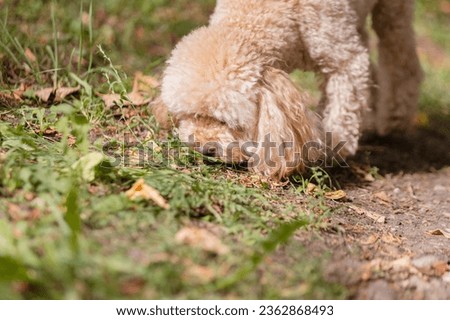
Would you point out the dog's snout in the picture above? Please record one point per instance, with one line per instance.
(209, 150)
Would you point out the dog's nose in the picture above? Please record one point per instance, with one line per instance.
(209, 151)
(242, 164)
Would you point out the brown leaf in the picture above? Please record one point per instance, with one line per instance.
(14, 211)
(365, 175)
(391, 239)
(71, 140)
(140, 190)
(35, 214)
(372, 215)
(372, 239)
(30, 55)
(137, 99)
(18, 213)
(114, 99)
(336, 195)
(49, 95)
(202, 239)
(431, 265)
(132, 286)
(110, 100)
(144, 83)
(140, 95)
(44, 94)
(440, 232)
(63, 92)
(9, 99)
(400, 265)
(48, 132)
(383, 197)
(440, 268)
(198, 274)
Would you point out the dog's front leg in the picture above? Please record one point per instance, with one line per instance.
(330, 36)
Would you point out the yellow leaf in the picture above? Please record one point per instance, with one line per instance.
(140, 190)
(310, 188)
(336, 195)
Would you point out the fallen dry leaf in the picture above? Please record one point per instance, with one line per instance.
(372, 239)
(336, 195)
(49, 95)
(9, 99)
(140, 190)
(48, 132)
(411, 191)
(372, 215)
(63, 92)
(18, 213)
(44, 94)
(311, 188)
(140, 95)
(111, 100)
(132, 286)
(14, 211)
(431, 265)
(71, 140)
(30, 55)
(14, 98)
(382, 195)
(440, 232)
(400, 265)
(201, 238)
(440, 268)
(365, 175)
(137, 99)
(132, 99)
(198, 274)
(144, 83)
(391, 238)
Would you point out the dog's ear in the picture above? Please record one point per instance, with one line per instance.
(289, 136)
(161, 114)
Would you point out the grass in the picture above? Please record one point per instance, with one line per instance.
(432, 24)
(67, 227)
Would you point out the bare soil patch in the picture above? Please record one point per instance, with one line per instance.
(391, 239)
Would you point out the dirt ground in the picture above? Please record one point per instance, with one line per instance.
(391, 239)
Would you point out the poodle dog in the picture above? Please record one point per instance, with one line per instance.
(228, 89)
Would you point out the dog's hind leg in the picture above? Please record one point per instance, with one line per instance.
(399, 72)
